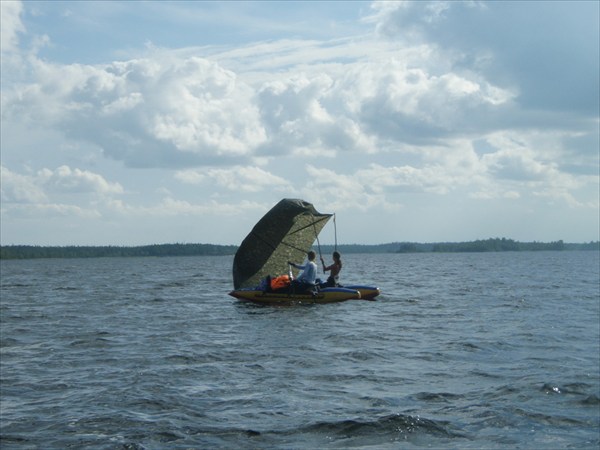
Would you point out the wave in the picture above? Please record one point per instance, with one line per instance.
(591, 400)
(437, 396)
(577, 388)
(552, 420)
(398, 425)
(349, 432)
(14, 285)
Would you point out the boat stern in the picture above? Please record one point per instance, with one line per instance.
(366, 292)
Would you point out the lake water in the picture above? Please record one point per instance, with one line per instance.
(492, 350)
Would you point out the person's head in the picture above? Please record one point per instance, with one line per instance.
(336, 256)
(311, 255)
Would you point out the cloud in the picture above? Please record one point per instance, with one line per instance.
(518, 164)
(76, 181)
(172, 109)
(11, 26)
(170, 207)
(545, 51)
(237, 179)
(18, 188)
(147, 112)
(414, 106)
(41, 211)
(303, 114)
(377, 185)
(177, 207)
(43, 193)
(515, 165)
(30, 196)
(342, 191)
(201, 106)
(90, 195)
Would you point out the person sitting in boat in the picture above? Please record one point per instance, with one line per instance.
(335, 269)
(306, 280)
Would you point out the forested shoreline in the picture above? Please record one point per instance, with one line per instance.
(158, 250)
(73, 251)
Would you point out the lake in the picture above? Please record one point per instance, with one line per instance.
(488, 350)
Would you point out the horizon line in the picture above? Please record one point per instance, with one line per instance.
(322, 245)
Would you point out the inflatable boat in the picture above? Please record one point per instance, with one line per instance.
(285, 233)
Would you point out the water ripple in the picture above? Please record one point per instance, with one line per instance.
(460, 351)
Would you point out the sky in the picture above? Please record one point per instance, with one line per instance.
(149, 122)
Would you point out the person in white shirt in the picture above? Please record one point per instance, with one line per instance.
(307, 279)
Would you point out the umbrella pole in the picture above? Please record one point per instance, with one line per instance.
(335, 232)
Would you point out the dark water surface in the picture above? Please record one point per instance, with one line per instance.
(493, 350)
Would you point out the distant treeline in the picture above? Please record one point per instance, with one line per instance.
(487, 245)
(31, 251)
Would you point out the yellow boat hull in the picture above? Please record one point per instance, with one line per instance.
(327, 295)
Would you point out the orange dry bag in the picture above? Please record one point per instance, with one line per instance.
(280, 282)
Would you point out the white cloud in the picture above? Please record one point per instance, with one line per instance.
(19, 188)
(42, 194)
(493, 193)
(41, 211)
(412, 105)
(545, 51)
(410, 20)
(308, 115)
(203, 107)
(187, 110)
(238, 179)
(341, 190)
(519, 165)
(379, 185)
(76, 181)
(10, 13)
(144, 112)
(170, 207)
(433, 179)
(28, 196)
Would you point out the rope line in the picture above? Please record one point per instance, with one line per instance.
(318, 243)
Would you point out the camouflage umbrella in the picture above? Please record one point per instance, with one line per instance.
(285, 233)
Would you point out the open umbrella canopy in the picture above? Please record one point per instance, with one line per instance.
(285, 233)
